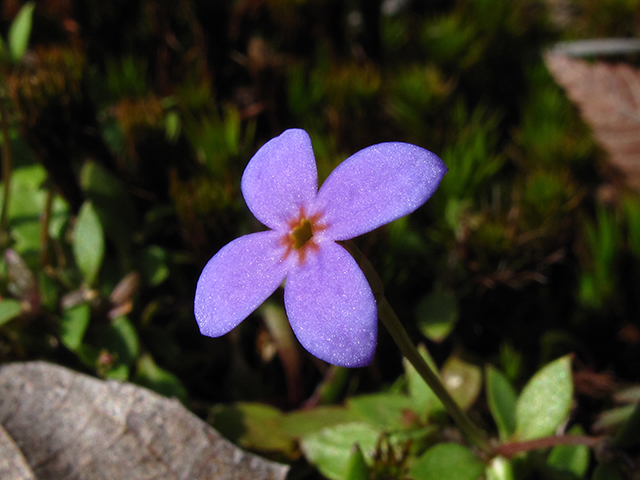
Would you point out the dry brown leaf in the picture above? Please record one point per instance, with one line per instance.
(609, 99)
(72, 426)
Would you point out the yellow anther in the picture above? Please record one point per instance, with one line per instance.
(301, 234)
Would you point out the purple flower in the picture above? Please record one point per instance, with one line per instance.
(327, 298)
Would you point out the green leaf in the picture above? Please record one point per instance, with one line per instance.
(463, 381)
(447, 461)
(501, 398)
(545, 401)
(629, 434)
(330, 449)
(603, 243)
(48, 290)
(9, 309)
(385, 410)
(425, 403)
(150, 375)
(59, 218)
(614, 418)
(253, 425)
(73, 325)
(330, 389)
(20, 31)
(112, 204)
(418, 438)
(510, 361)
(232, 129)
(27, 238)
(118, 372)
(437, 314)
(305, 422)
(172, 126)
(499, 469)
(26, 204)
(153, 263)
(570, 458)
(357, 468)
(121, 337)
(88, 242)
(88, 355)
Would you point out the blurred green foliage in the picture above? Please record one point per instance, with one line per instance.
(125, 129)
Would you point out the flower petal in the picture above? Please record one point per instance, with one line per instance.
(242, 275)
(375, 186)
(281, 178)
(331, 307)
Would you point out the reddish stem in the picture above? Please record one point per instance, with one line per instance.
(508, 450)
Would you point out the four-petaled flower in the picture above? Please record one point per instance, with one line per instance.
(328, 300)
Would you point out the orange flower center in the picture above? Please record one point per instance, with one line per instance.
(300, 235)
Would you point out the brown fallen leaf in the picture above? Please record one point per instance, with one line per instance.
(608, 97)
(72, 426)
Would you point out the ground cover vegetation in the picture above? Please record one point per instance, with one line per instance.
(126, 127)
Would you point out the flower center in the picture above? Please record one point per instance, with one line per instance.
(301, 234)
(301, 237)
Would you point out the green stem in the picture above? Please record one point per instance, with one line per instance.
(6, 171)
(44, 228)
(387, 316)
